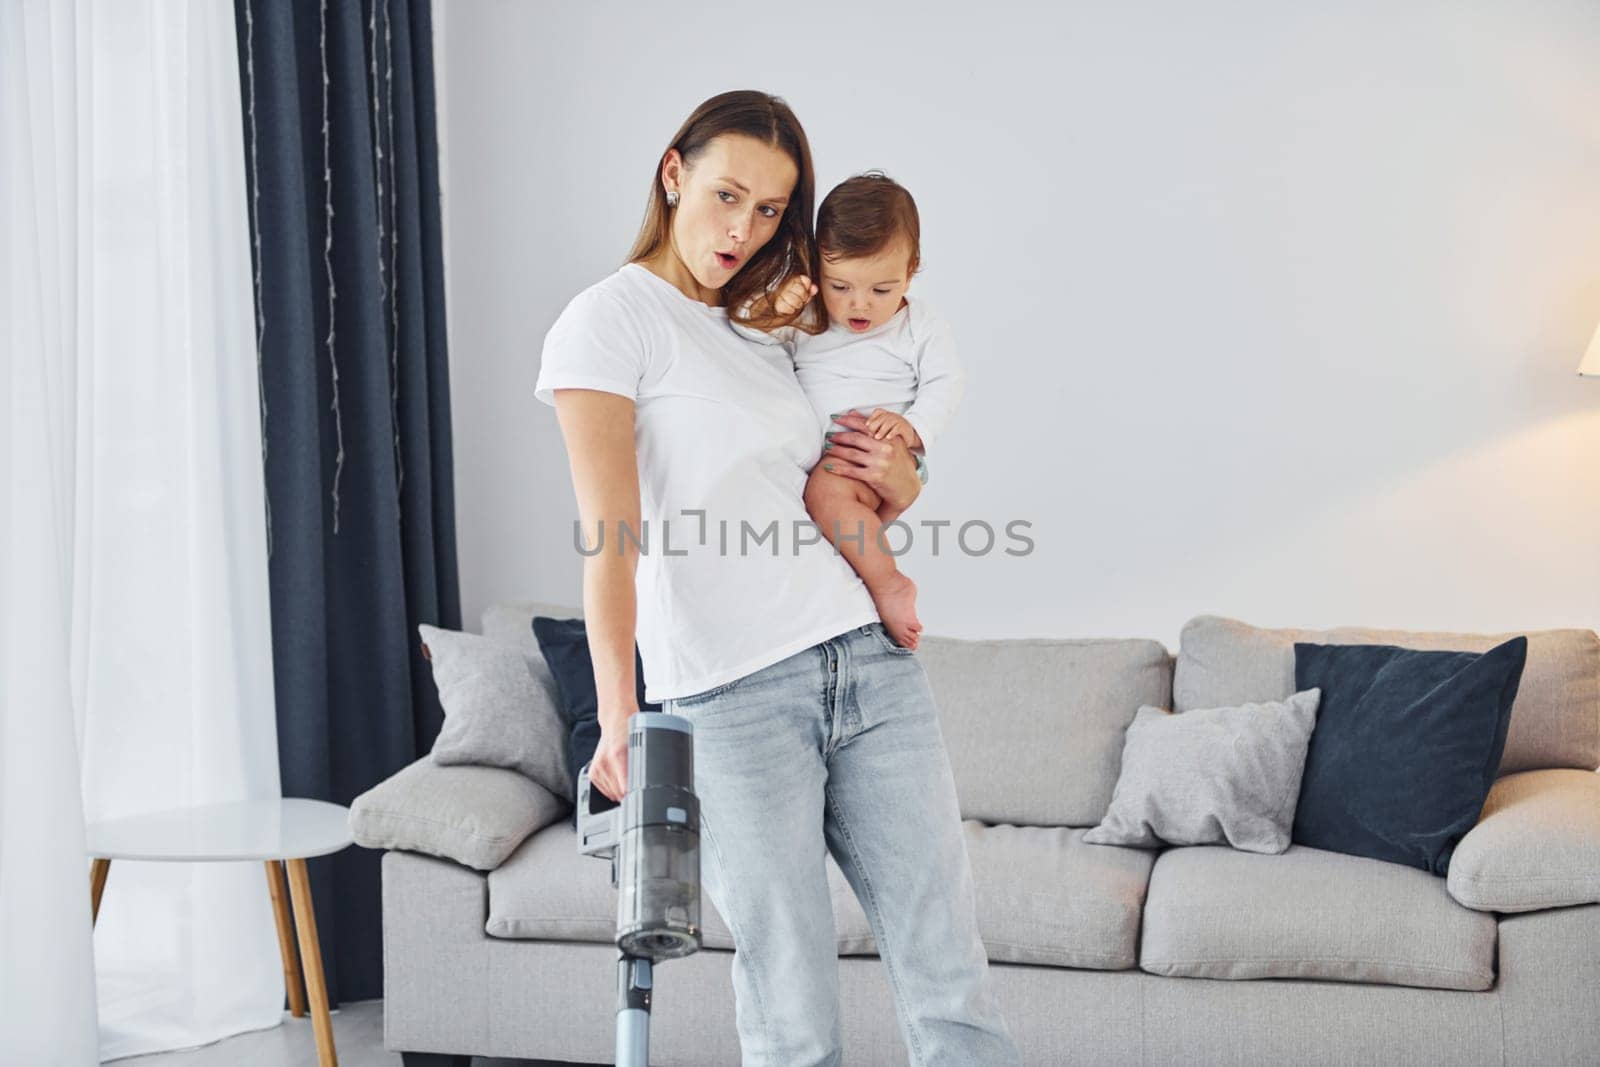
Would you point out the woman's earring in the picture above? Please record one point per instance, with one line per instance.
(672, 198)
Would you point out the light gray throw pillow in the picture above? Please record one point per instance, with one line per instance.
(501, 708)
(474, 815)
(1211, 776)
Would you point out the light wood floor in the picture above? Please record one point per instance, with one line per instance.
(357, 1033)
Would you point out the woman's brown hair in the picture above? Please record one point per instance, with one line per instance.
(792, 249)
(864, 215)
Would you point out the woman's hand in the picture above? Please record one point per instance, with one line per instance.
(887, 466)
(608, 770)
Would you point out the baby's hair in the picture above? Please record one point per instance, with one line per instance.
(863, 215)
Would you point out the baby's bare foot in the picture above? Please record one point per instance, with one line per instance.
(896, 598)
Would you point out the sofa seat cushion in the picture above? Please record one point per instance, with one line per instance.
(549, 891)
(1214, 912)
(1043, 896)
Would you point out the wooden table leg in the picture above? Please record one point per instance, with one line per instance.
(286, 949)
(305, 921)
(97, 885)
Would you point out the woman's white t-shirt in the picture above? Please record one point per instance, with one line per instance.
(733, 575)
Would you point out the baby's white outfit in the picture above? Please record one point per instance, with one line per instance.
(908, 366)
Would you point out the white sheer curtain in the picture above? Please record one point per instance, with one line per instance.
(135, 650)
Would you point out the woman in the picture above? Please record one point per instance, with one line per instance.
(814, 732)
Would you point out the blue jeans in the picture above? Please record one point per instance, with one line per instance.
(845, 729)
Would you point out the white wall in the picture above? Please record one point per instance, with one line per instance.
(1269, 310)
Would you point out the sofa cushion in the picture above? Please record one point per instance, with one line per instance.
(549, 891)
(467, 813)
(1046, 897)
(1227, 776)
(1214, 912)
(1536, 844)
(1034, 727)
(1555, 719)
(1052, 758)
(1043, 896)
(512, 623)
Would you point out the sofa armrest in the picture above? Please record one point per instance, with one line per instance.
(1536, 844)
(472, 814)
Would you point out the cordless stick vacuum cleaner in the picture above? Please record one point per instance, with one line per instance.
(652, 838)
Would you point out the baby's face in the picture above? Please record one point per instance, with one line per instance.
(864, 293)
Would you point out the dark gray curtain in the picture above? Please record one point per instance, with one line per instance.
(343, 169)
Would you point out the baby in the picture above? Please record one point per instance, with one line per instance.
(878, 351)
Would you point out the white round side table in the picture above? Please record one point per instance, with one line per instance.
(283, 833)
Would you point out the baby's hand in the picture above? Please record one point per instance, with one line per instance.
(882, 424)
(794, 295)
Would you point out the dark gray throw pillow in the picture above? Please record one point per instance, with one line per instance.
(1211, 776)
(501, 708)
(1407, 745)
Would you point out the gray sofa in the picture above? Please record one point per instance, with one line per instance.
(1100, 954)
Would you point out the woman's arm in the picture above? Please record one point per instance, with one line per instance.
(598, 428)
(887, 466)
